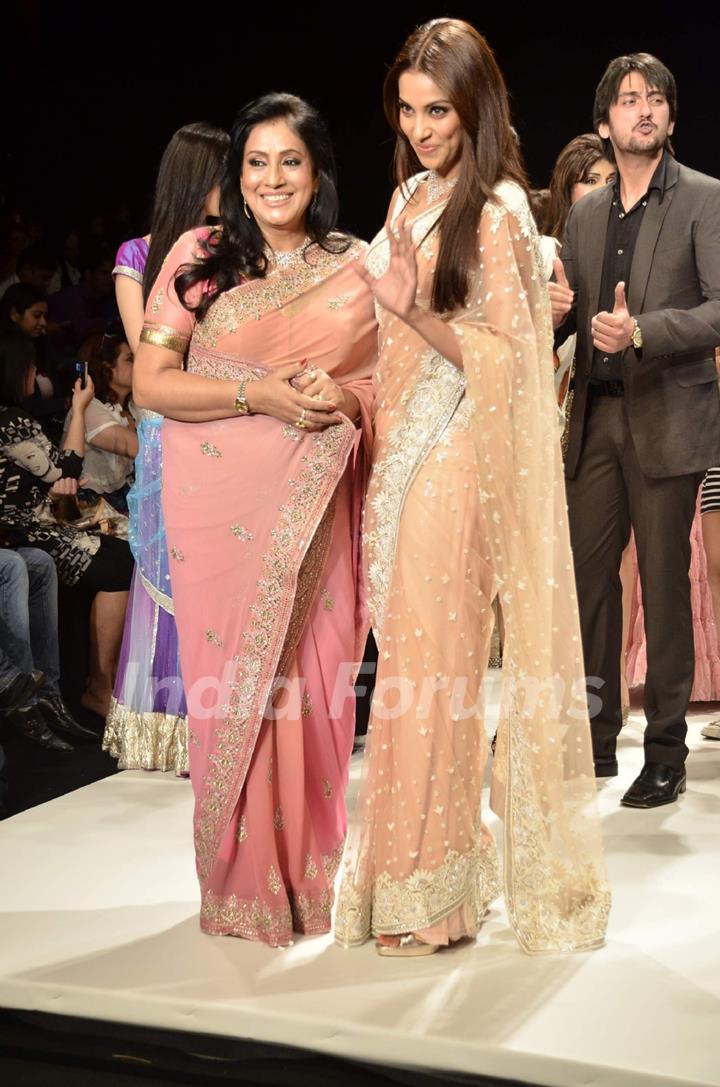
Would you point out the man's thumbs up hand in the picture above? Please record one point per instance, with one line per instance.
(561, 296)
(612, 332)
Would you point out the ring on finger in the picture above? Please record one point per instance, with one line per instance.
(300, 423)
(312, 373)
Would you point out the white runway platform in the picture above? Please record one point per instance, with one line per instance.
(98, 919)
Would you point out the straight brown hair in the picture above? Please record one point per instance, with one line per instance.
(459, 60)
(572, 165)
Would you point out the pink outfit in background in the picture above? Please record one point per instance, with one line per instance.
(262, 525)
(706, 684)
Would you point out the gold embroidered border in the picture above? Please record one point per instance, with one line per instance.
(126, 270)
(167, 337)
(438, 391)
(552, 907)
(255, 298)
(254, 919)
(164, 601)
(271, 612)
(146, 741)
(307, 585)
(393, 907)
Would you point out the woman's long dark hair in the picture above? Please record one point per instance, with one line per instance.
(572, 165)
(190, 167)
(100, 351)
(17, 355)
(238, 251)
(459, 60)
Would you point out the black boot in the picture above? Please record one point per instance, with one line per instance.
(30, 724)
(60, 719)
(654, 786)
(20, 691)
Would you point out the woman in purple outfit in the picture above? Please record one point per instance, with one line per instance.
(146, 727)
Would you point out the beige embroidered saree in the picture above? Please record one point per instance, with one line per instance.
(466, 501)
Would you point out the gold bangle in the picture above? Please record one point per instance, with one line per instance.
(241, 405)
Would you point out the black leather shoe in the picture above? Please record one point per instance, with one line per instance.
(606, 768)
(60, 719)
(30, 723)
(21, 690)
(654, 786)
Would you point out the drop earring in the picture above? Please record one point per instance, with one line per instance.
(245, 207)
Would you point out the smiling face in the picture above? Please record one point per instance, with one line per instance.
(600, 173)
(278, 182)
(430, 123)
(639, 119)
(33, 320)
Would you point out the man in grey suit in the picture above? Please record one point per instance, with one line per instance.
(640, 283)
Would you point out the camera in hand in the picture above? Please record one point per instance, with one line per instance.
(81, 371)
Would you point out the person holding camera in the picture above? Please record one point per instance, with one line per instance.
(33, 472)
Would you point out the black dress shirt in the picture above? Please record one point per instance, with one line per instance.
(620, 240)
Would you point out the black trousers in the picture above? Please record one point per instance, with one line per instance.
(608, 496)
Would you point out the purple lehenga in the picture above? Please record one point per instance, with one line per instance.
(146, 727)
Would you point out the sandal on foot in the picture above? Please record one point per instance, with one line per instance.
(408, 947)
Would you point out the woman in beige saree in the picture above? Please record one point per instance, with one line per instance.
(466, 500)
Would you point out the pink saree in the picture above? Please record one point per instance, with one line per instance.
(262, 527)
(467, 501)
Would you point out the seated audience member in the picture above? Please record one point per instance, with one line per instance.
(23, 309)
(70, 271)
(85, 310)
(111, 443)
(30, 699)
(13, 239)
(32, 472)
(35, 267)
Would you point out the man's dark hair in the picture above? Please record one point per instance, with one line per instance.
(652, 70)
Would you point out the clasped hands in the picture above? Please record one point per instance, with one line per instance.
(304, 396)
(611, 332)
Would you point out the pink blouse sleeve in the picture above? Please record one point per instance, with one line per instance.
(167, 322)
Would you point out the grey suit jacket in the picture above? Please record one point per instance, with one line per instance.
(671, 388)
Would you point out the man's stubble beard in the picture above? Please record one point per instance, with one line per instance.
(649, 150)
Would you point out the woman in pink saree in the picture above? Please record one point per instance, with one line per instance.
(466, 501)
(265, 446)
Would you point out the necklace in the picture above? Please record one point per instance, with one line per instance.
(439, 186)
(288, 258)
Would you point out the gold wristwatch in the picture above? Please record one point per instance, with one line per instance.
(241, 404)
(637, 340)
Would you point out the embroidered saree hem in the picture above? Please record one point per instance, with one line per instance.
(146, 741)
(422, 900)
(306, 914)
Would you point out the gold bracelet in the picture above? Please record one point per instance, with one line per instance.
(241, 405)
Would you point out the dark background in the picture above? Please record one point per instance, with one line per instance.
(93, 96)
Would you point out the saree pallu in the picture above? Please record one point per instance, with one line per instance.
(262, 525)
(146, 728)
(466, 501)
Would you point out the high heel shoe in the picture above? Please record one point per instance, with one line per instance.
(408, 947)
